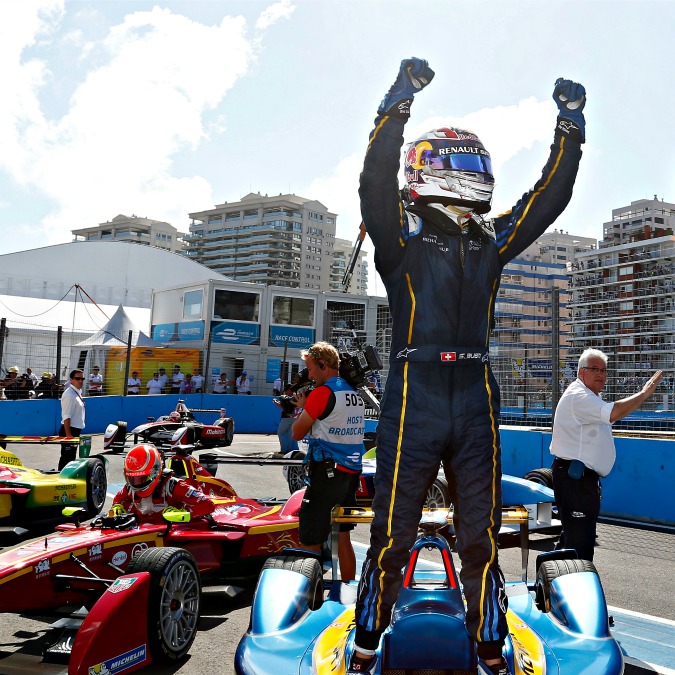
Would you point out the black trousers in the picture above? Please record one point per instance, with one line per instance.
(578, 503)
(68, 450)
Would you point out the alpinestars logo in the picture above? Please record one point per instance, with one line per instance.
(566, 126)
(403, 354)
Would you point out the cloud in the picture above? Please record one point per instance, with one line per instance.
(155, 79)
(279, 10)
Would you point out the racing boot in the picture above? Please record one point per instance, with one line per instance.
(362, 665)
(501, 668)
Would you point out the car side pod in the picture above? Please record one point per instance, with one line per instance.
(113, 636)
(578, 602)
(429, 614)
(280, 600)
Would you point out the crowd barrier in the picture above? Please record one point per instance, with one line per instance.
(638, 488)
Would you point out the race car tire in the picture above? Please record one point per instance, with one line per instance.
(438, 496)
(309, 567)
(552, 569)
(229, 432)
(541, 476)
(97, 485)
(174, 601)
(296, 473)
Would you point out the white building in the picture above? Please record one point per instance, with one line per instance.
(342, 253)
(623, 299)
(282, 241)
(136, 230)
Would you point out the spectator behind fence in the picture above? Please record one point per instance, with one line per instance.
(133, 384)
(186, 384)
(243, 384)
(72, 416)
(17, 387)
(176, 378)
(584, 451)
(33, 377)
(197, 382)
(154, 386)
(46, 387)
(95, 382)
(220, 385)
(163, 378)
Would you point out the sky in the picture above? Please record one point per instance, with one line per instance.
(160, 109)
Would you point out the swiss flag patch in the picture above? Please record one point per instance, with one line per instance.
(448, 356)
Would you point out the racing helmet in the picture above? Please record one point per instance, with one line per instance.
(143, 469)
(174, 416)
(451, 167)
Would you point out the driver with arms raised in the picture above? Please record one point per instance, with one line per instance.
(150, 489)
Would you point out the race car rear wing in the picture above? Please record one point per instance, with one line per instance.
(83, 442)
(431, 520)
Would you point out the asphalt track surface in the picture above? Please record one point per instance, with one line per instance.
(636, 567)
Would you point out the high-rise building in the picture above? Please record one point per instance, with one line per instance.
(623, 294)
(282, 241)
(342, 254)
(134, 229)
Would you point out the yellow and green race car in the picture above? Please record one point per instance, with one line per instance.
(30, 497)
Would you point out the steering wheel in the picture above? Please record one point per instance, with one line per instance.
(121, 522)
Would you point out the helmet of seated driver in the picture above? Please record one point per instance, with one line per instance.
(143, 469)
(174, 416)
(451, 167)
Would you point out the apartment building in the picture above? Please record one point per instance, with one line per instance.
(282, 241)
(342, 254)
(136, 230)
(622, 294)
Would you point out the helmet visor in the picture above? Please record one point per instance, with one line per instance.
(139, 482)
(459, 161)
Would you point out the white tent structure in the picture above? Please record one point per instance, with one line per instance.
(93, 350)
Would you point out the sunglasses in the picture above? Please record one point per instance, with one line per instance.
(78, 378)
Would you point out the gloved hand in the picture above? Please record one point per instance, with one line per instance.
(570, 97)
(117, 510)
(413, 75)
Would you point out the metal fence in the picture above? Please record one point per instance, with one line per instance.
(524, 349)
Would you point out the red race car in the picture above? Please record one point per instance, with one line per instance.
(177, 428)
(140, 582)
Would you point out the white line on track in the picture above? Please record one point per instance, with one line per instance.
(639, 615)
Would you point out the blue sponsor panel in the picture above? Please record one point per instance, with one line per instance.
(164, 332)
(235, 333)
(191, 330)
(293, 336)
(273, 370)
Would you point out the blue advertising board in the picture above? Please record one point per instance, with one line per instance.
(164, 332)
(191, 330)
(294, 336)
(235, 333)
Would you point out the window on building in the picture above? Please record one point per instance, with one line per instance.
(236, 305)
(192, 304)
(293, 311)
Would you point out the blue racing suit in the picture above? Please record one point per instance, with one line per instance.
(441, 402)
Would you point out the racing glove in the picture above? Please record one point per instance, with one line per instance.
(117, 510)
(413, 75)
(570, 97)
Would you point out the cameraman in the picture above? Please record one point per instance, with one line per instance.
(289, 407)
(333, 417)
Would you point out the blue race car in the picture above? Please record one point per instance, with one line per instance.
(558, 625)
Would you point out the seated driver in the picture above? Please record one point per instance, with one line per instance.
(150, 489)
